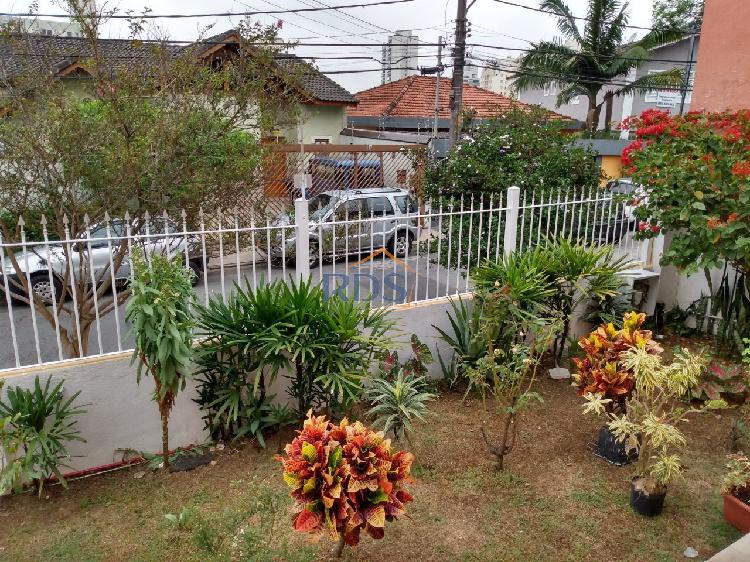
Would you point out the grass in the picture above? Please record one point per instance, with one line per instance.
(555, 501)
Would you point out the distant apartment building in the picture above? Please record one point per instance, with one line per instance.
(60, 28)
(400, 56)
(723, 73)
(497, 76)
(471, 75)
(665, 57)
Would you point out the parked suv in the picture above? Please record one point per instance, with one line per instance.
(98, 250)
(355, 221)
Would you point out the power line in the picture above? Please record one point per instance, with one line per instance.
(543, 11)
(613, 57)
(214, 14)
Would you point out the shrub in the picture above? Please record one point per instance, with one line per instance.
(325, 343)
(35, 426)
(650, 424)
(737, 479)
(467, 340)
(602, 371)
(159, 311)
(720, 380)
(397, 401)
(345, 478)
(559, 275)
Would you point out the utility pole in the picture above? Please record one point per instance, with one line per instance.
(438, 75)
(459, 60)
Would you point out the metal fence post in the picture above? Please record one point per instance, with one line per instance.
(302, 244)
(511, 220)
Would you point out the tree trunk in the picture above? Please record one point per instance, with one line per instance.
(165, 437)
(339, 549)
(301, 388)
(592, 117)
(608, 99)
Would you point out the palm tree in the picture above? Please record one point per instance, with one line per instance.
(599, 61)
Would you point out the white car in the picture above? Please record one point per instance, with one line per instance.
(99, 249)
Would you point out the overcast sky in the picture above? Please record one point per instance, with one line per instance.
(492, 24)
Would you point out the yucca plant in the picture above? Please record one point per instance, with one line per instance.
(650, 424)
(35, 426)
(398, 402)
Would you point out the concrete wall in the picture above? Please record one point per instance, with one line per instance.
(722, 79)
(320, 121)
(121, 413)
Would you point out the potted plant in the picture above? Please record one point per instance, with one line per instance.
(650, 424)
(602, 372)
(736, 490)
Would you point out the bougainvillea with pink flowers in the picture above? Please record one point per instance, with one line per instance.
(696, 173)
(345, 478)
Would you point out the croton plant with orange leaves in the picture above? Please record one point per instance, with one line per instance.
(345, 478)
(601, 371)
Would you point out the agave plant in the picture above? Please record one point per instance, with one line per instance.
(345, 478)
(398, 402)
(467, 340)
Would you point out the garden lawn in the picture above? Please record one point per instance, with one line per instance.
(556, 501)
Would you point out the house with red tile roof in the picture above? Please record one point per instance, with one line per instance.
(408, 105)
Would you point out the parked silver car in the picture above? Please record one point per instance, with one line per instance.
(355, 221)
(98, 250)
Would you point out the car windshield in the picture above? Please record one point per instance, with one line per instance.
(320, 205)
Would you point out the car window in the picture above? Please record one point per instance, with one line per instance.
(98, 235)
(379, 206)
(320, 205)
(406, 204)
(351, 208)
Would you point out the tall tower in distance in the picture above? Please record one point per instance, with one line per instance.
(400, 56)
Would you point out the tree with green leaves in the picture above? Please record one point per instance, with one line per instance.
(161, 130)
(594, 62)
(163, 328)
(686, 15)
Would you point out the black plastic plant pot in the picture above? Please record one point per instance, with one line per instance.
(644, 502)
(612, 450)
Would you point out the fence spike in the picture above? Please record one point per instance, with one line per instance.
(146, 217)
(183, 214)
(127, 217)
(66, 221)
(21, 222)
(165, 216)
(86, 219)
(107, 218)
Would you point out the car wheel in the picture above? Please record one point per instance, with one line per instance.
(45, 290)
(197, 272)
(400, 243)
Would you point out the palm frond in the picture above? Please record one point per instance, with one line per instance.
(566, 22)
(673, 78)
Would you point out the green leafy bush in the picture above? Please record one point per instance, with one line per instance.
(325, 344)
(467, 339)
(159, 311)
(398, 402)
(35, 426)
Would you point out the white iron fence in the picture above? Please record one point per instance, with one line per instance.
(378, 244)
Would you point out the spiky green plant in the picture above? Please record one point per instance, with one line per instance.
(397, 403)
(35, 426)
